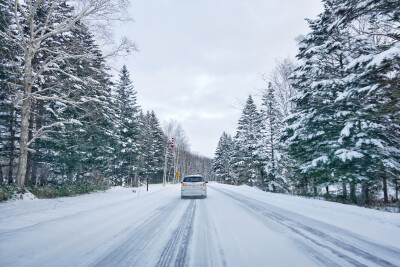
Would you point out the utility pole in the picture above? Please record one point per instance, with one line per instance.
(173, 156)
(166, 161)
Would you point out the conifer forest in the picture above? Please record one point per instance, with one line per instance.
(66, 125)
(329, 122)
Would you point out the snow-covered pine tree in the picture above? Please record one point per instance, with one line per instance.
(372, 127)
(140, 167)
(50, 84)
(127, 125)
(313, 127)
(221, 162)
(10, 71)
(98, 140)
(272, 118)
(152, 147)
(31, 39)
(156, 163)
(249, 154)
(82, 150)
(348, 81)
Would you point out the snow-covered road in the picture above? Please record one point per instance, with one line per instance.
(234, 226)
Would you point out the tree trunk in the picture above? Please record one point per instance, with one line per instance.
(12, 145)
(327, 190)
(165, 164)
(30, 156)
(344, 190)
(315, 192)
(26, 110)
(272, 152)
(1, 174)
(353, 197)
(385, 191)
(23, 155)
(396, 188)
(364, 191)
(305, 188)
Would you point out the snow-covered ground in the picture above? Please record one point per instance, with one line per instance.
(234, 226)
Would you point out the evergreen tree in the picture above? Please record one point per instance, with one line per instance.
(221, 162)
(43, 113)
(249, 154)
(315, 123)
(10, 70)
(344, 128)
(154, 141)
(127, 125)
(272, 118)
(86, 143)
(372, 86)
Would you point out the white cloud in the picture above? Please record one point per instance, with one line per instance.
(198, 58)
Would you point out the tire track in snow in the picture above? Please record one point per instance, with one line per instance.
(128, 252)
(298, 228)
(176, 251)
(208, 249)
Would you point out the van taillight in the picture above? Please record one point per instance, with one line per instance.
(184, 184)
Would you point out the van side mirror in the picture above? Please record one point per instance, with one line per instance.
(206, 182)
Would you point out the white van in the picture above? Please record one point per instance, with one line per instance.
(194, 186)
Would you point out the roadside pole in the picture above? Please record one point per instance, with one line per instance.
(172, 150)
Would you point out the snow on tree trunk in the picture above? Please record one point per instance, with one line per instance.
(26, 109)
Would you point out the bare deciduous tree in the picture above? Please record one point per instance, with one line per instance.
(172, 129)
(280, 79)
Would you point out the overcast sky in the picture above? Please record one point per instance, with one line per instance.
(199, 59)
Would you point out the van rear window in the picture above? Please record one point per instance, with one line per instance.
(193, 179)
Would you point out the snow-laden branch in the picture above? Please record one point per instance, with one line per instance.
(45, 128)
(67, 25)
(20, 30)
(46, 23)
(62, 56)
